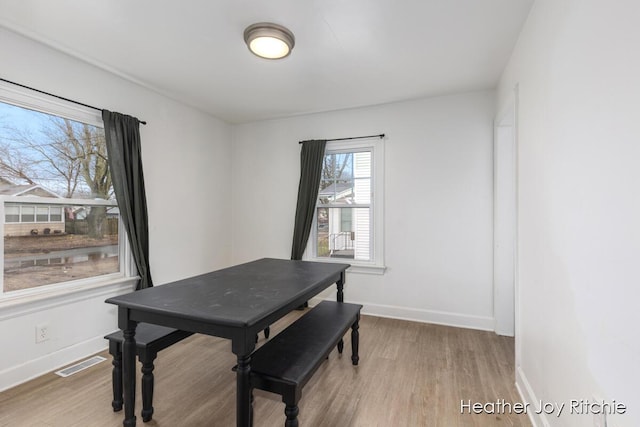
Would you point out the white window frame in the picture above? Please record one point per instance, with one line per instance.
(376, 263)
(33, 298)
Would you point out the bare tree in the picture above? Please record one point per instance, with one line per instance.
(12, 168)
(333, 167)
(65, 154)
(13, 163)
(78, 150)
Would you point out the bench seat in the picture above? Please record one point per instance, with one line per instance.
(287, 362)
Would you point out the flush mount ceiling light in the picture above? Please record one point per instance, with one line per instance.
(268, 40)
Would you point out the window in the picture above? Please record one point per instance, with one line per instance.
(42, 214)
(61, 228)
(55, 214)
(27, 214)
(348, 218)
(12, 213)
(19, 212)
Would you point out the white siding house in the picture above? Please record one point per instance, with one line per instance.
(23, 219)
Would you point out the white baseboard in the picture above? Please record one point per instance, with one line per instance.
(528, 396)
(484, 323)
(34, 368)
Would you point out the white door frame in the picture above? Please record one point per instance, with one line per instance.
(505, 216)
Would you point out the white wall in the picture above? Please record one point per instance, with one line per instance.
(438, 202)
(577, 67)
(186, 164)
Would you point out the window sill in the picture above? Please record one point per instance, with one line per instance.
(357, 267)
(367, 269)
(23, 303)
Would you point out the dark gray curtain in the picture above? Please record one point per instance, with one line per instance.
(311, 158)
(122, 135)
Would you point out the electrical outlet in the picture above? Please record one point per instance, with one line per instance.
(42, 332)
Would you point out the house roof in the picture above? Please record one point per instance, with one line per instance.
(8, 188)
(335, 187)
(12, 189)
(336, 190)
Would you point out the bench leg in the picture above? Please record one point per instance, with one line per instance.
(251, 410)
(147, 388)
(291, 411)
(115, 349)
(340, 298)
(128, 370)
(116, 375)
(355, 338)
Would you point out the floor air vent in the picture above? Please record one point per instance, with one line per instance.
(66, 372)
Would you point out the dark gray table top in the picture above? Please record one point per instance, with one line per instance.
(237, 296)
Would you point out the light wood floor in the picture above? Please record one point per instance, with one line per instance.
(410, 374)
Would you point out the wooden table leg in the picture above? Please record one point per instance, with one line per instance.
(244, 408)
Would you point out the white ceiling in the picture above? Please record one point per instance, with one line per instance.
(348, 53)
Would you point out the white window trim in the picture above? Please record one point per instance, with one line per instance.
(376, 265)
(35, 298)
(20, 97)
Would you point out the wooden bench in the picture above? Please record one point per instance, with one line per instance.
(150, 339)
(287, 362)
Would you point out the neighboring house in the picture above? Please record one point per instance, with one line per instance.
(23, 219)
(344, 216)
(335, 225)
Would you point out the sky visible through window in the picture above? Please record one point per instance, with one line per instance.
(48, 150)
(17, 120)
(22, 117)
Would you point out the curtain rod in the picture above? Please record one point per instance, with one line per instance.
(353, 137)
(59, 97)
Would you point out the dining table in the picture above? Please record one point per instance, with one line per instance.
(235, 303)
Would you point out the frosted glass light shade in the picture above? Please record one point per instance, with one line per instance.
(268, 40)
